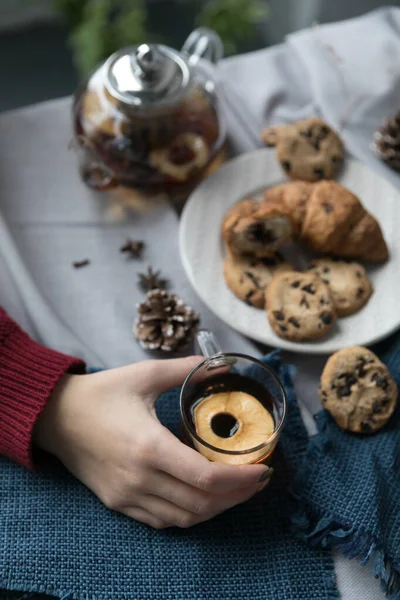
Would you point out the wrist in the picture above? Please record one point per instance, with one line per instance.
(57, 416)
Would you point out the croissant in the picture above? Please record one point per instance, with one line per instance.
(330, 219)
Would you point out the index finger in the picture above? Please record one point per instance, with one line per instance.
(184, 463)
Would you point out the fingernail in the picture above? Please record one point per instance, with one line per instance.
(266, 475)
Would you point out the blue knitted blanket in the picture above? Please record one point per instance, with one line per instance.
(348, 489)
(57, 539)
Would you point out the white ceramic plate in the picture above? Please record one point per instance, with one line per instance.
(202, 252)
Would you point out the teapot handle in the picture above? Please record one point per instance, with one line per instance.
(203, 43)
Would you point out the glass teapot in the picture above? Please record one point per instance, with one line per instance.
(149, 116)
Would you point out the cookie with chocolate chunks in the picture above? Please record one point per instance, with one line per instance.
(299, 306)
(358, 390)
(348, 282)
(256, 228)
(247, 276)
(308, 150)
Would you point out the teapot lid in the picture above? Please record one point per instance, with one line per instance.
(147, 76)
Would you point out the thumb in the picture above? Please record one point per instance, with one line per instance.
(167, 374)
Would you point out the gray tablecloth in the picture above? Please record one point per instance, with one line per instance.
(349, 73)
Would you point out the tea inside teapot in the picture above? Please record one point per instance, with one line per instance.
(149, 117)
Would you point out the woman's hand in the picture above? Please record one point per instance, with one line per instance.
(103, 427)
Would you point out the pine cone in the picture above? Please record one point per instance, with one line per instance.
(387, 142)
(164, 322)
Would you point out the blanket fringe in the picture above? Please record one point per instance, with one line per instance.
(326, 532)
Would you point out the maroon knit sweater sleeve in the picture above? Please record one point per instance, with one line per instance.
(28, 375)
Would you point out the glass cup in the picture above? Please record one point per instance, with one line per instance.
(231, 372)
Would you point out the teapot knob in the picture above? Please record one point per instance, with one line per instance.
(149, 61)
(203, 43)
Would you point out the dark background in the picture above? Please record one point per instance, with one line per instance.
(36, 64)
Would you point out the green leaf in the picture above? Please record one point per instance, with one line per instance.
(130, 27)
(100, 27)
(233, 20)
(88, 39)
(107, 25)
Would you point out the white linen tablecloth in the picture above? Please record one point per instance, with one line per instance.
(349, 73)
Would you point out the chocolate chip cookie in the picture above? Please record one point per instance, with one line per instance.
(358, 390)
(256, 228)
(348, 282)
(308, 150)
(299, 306)
(248, 276)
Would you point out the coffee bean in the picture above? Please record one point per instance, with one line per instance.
(279, 315)
(287, 166)
(319, 173)
(294, 322)
(326, 318)
(309, 289)
(328, 207)
(295, 284)
(380, 382)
